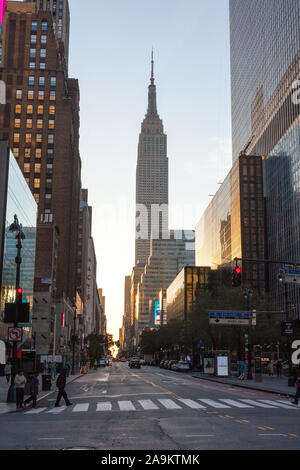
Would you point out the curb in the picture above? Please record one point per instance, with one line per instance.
(274, 392)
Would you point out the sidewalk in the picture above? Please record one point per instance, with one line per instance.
(277, 385)
(6, 407)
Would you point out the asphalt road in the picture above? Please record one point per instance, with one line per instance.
(117, 408)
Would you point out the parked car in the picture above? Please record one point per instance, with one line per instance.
(135, 364)
(183, 366)
(161, 364)
(166, 364)
(142, 362)
(154, 362)
(174, 366)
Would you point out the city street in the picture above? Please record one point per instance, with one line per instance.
(117, 408)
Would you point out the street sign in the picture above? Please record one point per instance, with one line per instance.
(287, 328)
(232, 318)
(291, 276)
(15, 334)
(10, 313)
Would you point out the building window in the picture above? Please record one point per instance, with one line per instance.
(43, 39)
(37, 198)
(51, 124)
(31, 80)
(52, 109)
(29, 123)
(33, 39)
(52, 95)
(30, 95)
(41, 81)
(52, 81)
(28, 139)
(18, 109)
(41, 95)
(34, 25)
(27, 153)
(16, 137)
(42, 66)
(16, 152)
(39, 124)
(48, 196)
(43, 53)
(32, 54)
(50, 139)
(44, 25)
(18, 94)
(38, 153)
(36, 183)
(17, 123)
(39, 138)
(40, 109)
(37, 167)
(32, 65)
(26, 167)
(29, 109)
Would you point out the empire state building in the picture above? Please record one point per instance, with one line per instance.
(151, 179)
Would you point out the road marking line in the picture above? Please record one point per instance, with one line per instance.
(191, 403)
(281, 405)
(57, 410)
(256, 403)
(199, 435)
(213, 403)
(81, 407)
(266, 435)
(106, 406)
(169, 404)
(126, 406)
(35, 411)
(148, 405)
(235, 403)
(50, 438)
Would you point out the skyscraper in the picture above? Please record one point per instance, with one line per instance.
(265, 54)
(151, 178)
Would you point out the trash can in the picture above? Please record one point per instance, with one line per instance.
(46, 382)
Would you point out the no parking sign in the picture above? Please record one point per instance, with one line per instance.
(15, 334)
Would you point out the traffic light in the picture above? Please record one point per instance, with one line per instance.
(237, 277)
(63, 319)
(19, 295)
(139, 347)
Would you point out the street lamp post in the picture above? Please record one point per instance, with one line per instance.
(74, 338)
(247, 294)
(17, 230)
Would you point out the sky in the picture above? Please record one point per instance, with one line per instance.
(110, 54)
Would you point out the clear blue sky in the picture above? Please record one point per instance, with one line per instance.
(110, 53)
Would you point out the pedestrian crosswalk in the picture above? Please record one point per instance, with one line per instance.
(173, 404)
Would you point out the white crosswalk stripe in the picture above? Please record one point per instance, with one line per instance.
(256, 403)
(56, 410)
(169, 404)
(35, 411)
(126, 406)
(81, 407)
(235, 403)
(106, 406)
(213, 403)
(191, 403)
(281, 405)
(148, 405)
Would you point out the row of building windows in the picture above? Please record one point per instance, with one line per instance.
(31, 81)
(38, 153)
(30, 108)
(39, 123)
(28, 138)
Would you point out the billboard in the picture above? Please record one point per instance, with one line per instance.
(157, 312)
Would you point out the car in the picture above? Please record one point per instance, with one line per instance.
(183, 366)
(174, 366)
(142, 362)
(171, 363)
(135, 364)
(166, 364)
(161, 364)
(102, 363)
(153, 362)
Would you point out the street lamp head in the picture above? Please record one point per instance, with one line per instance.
(15, 226)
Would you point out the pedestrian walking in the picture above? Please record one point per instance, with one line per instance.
(271, 368)
(67, 368)
(20, 382)
(243, 368)
(7, 371)
(297, 396)
(279, 368)
(61, 384)
(53, 370)
(34, 390)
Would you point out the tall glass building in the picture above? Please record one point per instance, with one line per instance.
(15, 198)
(265, 65)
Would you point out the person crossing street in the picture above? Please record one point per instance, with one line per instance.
(61, 384)
(34, 390)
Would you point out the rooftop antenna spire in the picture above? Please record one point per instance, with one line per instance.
(152, 68)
